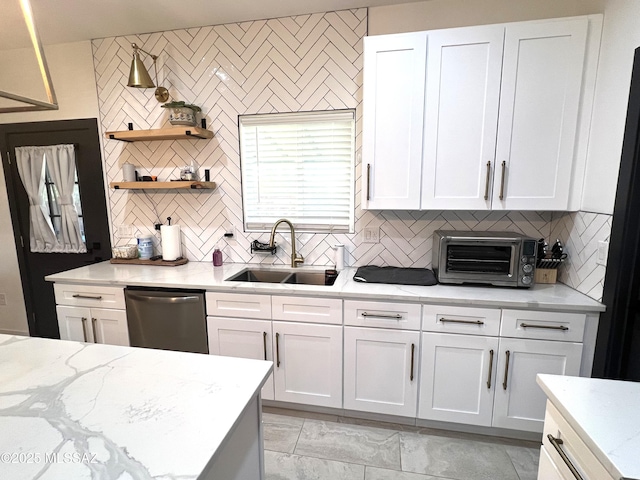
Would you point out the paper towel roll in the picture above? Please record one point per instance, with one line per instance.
(171, 248)
(339, 257)
(128, 173)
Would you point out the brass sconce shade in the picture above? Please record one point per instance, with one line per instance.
(139, 76)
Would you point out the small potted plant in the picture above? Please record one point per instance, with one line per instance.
(182, 113)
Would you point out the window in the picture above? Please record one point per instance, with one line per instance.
(50, 198)
(298, 166)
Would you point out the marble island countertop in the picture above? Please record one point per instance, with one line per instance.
(203, 275)
(71, 410)
(606, 415)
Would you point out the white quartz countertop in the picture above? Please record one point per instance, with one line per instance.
(606, 415)
(71, 410)
(203, 275)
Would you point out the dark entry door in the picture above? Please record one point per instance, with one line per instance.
(39, 297)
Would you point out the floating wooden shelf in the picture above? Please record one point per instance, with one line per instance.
(173, 133)
(163, 185)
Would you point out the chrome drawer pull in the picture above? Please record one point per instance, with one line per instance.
(557, 442)
(548, 327)
(397, 316)
(264, 344)
(277, 349)
(486, 187)
(93, 328)
(506, 370)
(90, 297)
(490, 368)
(368, 181)
(470, 322)
(84, 328)
(504, 167)
(413, 350)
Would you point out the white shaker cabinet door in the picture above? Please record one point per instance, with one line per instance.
(73, 323)
(381, 370)
(109, 326)
(538, 118)
(393, 99)
(457, 378)
(233, 337)
(519, 401)
(308, 363)
(461, 117)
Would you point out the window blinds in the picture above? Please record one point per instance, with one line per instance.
(298, 166)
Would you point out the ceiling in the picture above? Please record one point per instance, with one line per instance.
(61, 21)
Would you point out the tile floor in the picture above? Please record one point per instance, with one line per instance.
(305, 446)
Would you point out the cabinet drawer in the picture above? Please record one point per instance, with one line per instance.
(465, 320)
(307, 309)
(89, 296)
(568, 327)
(572, 445)
(405, 316)
(238, 305)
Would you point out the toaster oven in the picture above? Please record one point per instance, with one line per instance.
(492, 258)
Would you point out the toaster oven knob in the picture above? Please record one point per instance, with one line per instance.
(526, 280)
(527, 268)
(524, 260)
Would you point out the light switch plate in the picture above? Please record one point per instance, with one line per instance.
(603, 253)
(3, 299)
(125, 231)
(371, 235)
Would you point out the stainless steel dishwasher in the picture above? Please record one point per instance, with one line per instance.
(167, 319)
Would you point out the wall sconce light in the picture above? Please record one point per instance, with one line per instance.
(139, 76)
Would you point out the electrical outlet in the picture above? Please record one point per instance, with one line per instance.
(371, 235)
(3, 299)
(603, 253)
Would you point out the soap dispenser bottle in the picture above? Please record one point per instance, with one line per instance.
(217, 257)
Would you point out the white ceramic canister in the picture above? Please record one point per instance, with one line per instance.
(128, 172)
(145, 246)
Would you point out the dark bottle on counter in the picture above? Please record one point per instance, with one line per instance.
(217, 257)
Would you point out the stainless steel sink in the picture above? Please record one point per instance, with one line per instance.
(280, 276)
(307, 278)
(262, 276)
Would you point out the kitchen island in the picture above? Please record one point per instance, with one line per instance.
(598, 424)
(76, 410)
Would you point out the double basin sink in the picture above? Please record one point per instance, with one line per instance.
(282, 276)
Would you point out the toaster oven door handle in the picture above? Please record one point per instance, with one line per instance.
(470, 322)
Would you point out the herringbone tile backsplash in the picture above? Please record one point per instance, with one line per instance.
(302, 63)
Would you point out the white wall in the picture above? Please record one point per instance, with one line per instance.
(73, 78)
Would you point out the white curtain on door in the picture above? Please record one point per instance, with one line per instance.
(31, 167)
(61, 163)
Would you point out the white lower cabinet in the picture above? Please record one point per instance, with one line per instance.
(547, 469)
(457, 380)
(308, 363)
(233, 337)
(381, 370)
(93, 325)
(519, 401)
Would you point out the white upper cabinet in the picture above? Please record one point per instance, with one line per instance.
(462, 96)
(506, 116)
(539, 106)
(393, 99)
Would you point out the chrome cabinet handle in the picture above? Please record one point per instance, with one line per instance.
(264, 342)
(413, 350)
(506, 370)
(486, 185)
(277, 349)
(84, 328)
(93, 328)
(504, 167)
(490, 368)
(451, 320)
(557, 444)
(549, 327)
(90, 297)
(397, 316)
(368, 181)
